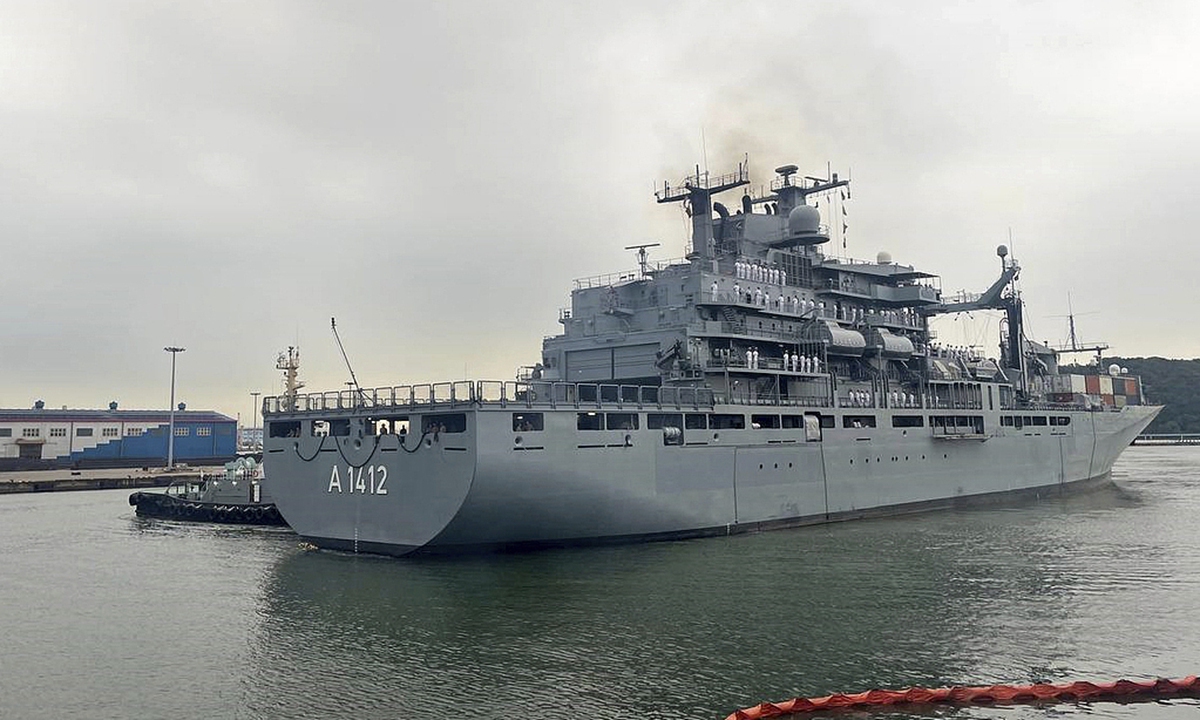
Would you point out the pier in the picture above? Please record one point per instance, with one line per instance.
(1167, 439)
(23, 481)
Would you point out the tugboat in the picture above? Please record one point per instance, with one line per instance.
(235, 496)
(756, 383)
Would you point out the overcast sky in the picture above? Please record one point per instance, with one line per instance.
(227, 176)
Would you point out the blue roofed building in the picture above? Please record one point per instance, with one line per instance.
(45, 438)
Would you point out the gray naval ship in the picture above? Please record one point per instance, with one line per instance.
(758, 383)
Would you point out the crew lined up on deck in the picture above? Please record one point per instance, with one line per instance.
(791, 362)
(760, 273)
(794, 304)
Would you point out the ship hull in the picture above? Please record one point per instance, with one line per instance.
(492, 488)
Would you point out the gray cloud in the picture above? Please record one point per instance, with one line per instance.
(228, 176)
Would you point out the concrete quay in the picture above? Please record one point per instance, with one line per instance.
(23, 481)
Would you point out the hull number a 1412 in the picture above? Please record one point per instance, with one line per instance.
(368, 480)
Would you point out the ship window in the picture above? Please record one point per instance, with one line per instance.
(622, 421)
(792, 422)
(1039, 420)
(907, 421)
(1006, 420)
(5, 432)
(695, 421)
(1027, 420)
(726, 421)
(391, 425)
(1060, 420)
(658, 421)
(589, 421)
(340, 428)
(445, 422)
(528, 422)
(284, 428)
(320, 428)
(765, 421)
(858, 421)
(1017, 422)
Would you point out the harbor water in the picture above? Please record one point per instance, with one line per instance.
(106, 615)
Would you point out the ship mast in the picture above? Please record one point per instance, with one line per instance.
(289, 363)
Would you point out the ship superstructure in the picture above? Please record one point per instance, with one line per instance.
(755, 383)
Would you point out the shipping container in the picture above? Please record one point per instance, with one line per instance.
(1107, 399)
(1120, 400)
(1106, 385)
(1078, 384)
(1092, 384)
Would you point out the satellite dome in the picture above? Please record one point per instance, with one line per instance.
(1114, 369)
(804, 220)
(884, 257)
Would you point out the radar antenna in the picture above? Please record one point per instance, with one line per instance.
(1075, 345)
(641, 253)
(353, 380)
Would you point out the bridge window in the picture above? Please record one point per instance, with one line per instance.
(444, 423)
(528, 422)
(858, 421)
(393, 425)
(283, 428)
(726, 421)
(589, 421)
(1039, 420)
(622, 421)
(1006, 420)
(658, 421)
(695, 421)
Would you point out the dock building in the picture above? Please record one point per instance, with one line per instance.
(45, 438)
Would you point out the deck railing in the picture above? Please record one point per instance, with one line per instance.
(493, 393)
(534, 393)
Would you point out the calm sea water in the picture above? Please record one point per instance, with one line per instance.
(104, 615)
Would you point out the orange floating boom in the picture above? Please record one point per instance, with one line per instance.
(979, 695)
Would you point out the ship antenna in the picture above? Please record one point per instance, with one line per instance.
(354, 383)
(641, 253)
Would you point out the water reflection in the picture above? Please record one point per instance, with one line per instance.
(697, 628)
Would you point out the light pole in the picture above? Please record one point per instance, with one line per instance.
(171, 429)
(254, 443)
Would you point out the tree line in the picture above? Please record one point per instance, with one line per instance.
(1175, 384)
